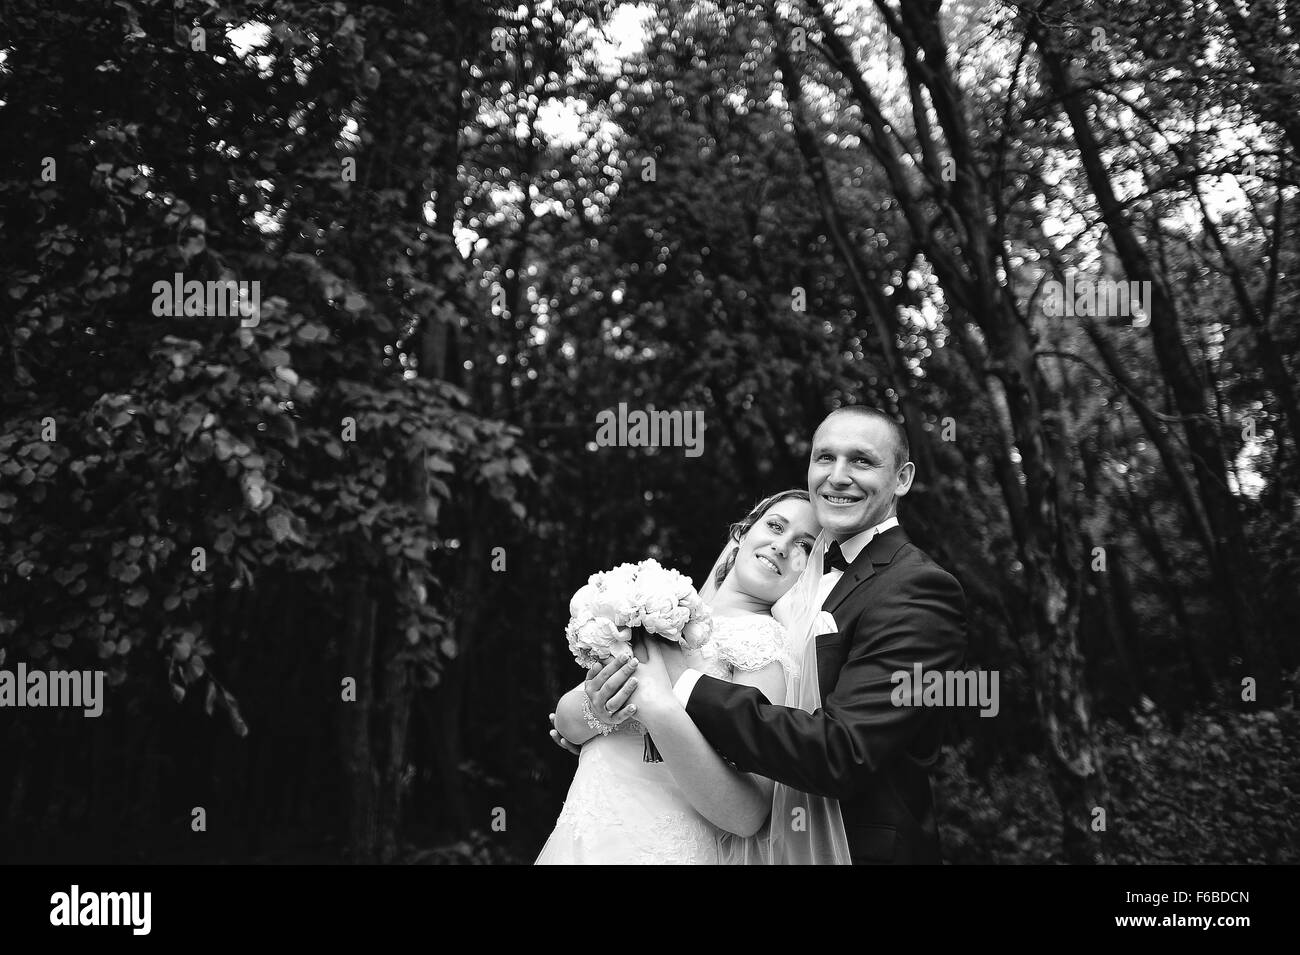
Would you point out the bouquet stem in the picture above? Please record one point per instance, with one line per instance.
(650, 752)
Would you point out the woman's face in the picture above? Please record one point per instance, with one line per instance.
(774, 551)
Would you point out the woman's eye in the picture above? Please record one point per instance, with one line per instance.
(774, 525)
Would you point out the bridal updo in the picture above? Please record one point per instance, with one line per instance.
(741, 527)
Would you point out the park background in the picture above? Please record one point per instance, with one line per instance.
(477, 225)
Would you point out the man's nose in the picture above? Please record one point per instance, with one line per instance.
(839, 472)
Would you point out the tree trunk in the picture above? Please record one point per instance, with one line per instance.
(883, 316)
(390, 728)
(1202, 678)
(1175, 467)
(1126, 632)
(1233, 563)
(362, 835)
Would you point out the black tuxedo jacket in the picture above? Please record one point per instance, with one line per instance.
(894, 607)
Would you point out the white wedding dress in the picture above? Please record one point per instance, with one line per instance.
(622, 810)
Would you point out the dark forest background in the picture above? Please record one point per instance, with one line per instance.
(475, 226)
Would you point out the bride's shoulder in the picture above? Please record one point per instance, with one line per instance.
(749, 641)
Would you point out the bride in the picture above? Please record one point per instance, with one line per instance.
(694, 807)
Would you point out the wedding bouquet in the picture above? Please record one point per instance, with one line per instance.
(609, 608)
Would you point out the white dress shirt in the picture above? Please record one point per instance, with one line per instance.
(850, 548)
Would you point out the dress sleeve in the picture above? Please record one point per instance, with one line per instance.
(756, 645)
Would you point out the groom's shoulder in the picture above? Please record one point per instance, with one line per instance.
(912, 560)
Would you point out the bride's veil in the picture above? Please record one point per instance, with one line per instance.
(803, 829)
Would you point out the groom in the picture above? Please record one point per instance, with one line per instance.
(894, 608)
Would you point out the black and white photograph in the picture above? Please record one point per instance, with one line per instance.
(688, 432)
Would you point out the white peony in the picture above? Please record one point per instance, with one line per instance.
(593, 640)
(648, 595)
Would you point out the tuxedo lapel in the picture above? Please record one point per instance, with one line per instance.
(831, 647)
(858, 571)
(878, 552)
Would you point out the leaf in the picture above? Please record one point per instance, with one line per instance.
(232, 710)
(137, 597)
(279, 525)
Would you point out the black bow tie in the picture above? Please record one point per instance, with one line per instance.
(834, 559)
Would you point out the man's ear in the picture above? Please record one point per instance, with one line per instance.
(905, 476)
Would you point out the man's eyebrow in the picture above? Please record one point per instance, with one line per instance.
(852, 452)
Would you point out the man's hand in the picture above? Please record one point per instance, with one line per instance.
(674, 662)
(561, 742)
(656, 687)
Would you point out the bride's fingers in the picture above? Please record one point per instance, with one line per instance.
(624, 694)
(603, 673)
(602, 695)
(626, 713)
(564, 744)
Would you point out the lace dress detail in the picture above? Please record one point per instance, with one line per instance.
(748, 642)
(623, 810)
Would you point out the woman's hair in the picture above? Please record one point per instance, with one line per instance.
(741, 527)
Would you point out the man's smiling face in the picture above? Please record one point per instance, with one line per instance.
(853, 475)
